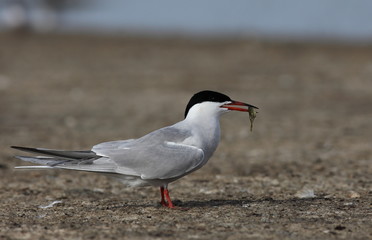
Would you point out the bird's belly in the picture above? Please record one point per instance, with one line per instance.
(135, 181)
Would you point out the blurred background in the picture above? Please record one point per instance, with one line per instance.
(334, 20)
(74, 73)
(90, 71)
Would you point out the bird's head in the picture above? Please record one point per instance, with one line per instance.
(214, 103)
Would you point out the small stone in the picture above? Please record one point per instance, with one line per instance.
(305, 193)
(353, 194)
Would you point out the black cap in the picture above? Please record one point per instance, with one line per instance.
(206, 96)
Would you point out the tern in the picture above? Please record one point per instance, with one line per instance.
(157, 158)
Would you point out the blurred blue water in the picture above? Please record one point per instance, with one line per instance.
(317, 19)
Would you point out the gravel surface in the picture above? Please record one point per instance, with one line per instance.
(305, 171)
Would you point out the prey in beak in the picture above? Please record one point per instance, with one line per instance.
(240, 106)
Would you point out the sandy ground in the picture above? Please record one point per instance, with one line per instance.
(313, 135)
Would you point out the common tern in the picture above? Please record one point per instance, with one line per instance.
(157, 158)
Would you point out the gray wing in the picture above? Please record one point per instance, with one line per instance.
(158, 155)
(111, 145)
(168, 160)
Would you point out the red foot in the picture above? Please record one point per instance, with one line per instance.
(165, 193)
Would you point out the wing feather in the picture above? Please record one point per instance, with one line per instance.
(111, 145)
(157, 155)
(163, 161)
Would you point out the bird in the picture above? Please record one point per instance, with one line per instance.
(159, 157)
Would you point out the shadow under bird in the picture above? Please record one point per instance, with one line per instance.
(157, 158)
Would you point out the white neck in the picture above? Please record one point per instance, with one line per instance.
(203, 118)
(206, 110)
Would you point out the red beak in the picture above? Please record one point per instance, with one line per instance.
(235, 106)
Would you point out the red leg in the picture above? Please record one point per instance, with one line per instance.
(162, 202)
(166, 193)
(166, 200)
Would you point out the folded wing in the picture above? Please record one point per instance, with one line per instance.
(162, 161)
(158, 155)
